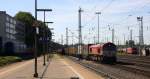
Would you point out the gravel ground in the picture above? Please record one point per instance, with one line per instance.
(113, 71)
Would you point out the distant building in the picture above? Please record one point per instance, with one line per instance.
(12, 34)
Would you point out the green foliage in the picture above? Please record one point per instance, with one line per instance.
(25, 17)
(9, 59)
(44, 32)
(28, 20)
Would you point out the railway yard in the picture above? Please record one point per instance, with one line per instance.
(126, 68)
(75, 39)
(70, 67)
(104, 60)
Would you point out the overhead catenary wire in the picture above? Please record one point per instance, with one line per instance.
(94, 8)
(131, 14)
(102, 10)
(92, 19)
(122, 21)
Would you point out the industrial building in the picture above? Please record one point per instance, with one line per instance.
(12, 34)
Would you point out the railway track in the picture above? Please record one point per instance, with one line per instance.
(104, 74)
(137, 58)
(117, 71)
(135, 69)
(140, 63)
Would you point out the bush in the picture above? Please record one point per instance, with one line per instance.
(8, 60)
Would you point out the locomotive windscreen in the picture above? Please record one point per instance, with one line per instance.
(109, 47)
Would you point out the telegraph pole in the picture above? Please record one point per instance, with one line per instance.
(72, 39)
(48, 39)
(141, 39)
(131, 34)
(125, 46)
(35, 47)
(66, 36)
(44, 47)
(124, 37)
(45, 38)
(80, 34)
(89, 35)
(47, 44)
(113, 35)
(98, 13)
(62, 39)
(67, 39)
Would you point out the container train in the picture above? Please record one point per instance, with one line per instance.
(99, 52)
(130, 50)
(135, 50)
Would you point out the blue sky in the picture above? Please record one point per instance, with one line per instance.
(65, 14)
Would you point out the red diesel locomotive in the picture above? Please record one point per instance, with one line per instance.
(103, 52)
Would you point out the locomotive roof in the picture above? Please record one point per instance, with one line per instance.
(109, 43)
(104, 44)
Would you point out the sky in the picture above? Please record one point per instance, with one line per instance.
(118, 14)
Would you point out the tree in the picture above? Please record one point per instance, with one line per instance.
(28, 20)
